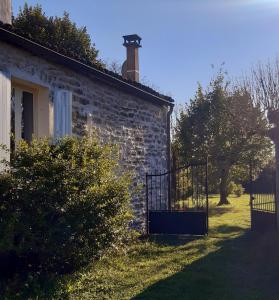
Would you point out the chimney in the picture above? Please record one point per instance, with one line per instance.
(130, 68)
(6, 11)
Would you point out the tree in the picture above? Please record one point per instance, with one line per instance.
(59, 33)
(263, 85)
(223, 124)
(115, 67)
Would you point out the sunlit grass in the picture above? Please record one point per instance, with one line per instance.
(230, 263)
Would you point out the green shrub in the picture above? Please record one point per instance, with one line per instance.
(235, 189)
(230, 188)
(63, 204)
(238, 190)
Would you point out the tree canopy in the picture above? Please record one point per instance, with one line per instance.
(59, 33)
(223, 124)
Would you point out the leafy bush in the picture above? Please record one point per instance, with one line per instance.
(230, 188)
(63, 204)
(235, 189)
(238, 190)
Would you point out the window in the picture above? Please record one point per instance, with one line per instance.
(22, 115)
(25, 111)
(31, 111)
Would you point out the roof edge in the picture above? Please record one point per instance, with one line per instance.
(103, 75)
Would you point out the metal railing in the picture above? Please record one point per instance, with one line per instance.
(182, 189)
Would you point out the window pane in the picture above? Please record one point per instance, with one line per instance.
(27, 117)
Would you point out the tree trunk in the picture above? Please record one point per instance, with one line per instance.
(223, 187)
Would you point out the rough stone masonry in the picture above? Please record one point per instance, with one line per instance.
(137, 126)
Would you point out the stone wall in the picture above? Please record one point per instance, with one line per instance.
(137, 126)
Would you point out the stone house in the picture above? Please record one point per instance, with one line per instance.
(44, 93)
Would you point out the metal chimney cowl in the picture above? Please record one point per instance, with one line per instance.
(130, 68)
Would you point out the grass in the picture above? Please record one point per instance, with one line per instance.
(230, 263)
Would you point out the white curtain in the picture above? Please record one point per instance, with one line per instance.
(5, 116)
(62, 113)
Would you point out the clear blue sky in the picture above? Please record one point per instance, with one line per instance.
(181, 38)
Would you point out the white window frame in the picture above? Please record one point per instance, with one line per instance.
(5, 116)
(62, 113)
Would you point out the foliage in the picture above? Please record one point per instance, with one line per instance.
(264, 181)
(238, 190)
(33, 286)
(189, 268)
(58, 32)
(181, 267)
(223, 124)
(186, 268)
(63, 204)
(235, 189)
(230, 188)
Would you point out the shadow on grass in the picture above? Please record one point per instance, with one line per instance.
(246, 267)
(228, 229)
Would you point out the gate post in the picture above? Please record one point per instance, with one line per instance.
(206, 194)
(273, 133)
(169, 191)
(147, 205)
(277, 182)
(251, 194)
(251, 184)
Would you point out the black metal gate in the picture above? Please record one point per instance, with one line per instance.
(177, 201)
(263, 202)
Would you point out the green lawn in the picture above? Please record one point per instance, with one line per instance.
(231, 263)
